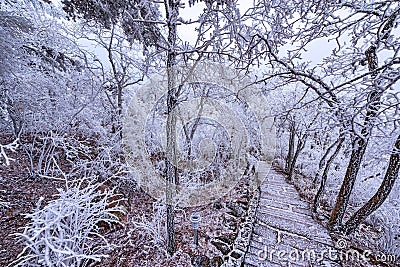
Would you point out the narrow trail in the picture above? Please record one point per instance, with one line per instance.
(285, 234)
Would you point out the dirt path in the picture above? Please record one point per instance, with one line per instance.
(285, 233)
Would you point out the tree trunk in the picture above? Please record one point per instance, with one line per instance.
(116, 120)
(360, 143)
(383, 192)
(189, 135)
(322, 162)
(300, 145)
(324, 178)
(16, 117)
(119, 111)
(172, 12)
(289, 157)
(359, 146)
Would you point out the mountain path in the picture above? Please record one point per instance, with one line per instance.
(284, 233)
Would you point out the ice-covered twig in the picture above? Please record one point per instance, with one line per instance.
(3, 148)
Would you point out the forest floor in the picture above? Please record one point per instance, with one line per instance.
(19, 194)
(139, 242)
(283, 222)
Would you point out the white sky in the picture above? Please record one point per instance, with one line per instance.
(188, 33)
(316, 50)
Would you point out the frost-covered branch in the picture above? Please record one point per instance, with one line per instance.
(64, 232)
(3, 151)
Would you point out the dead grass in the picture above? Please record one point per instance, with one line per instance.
(134, 247)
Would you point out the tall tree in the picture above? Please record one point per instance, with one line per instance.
(350, 74)
(172, 14)
(360, 141)
(142, 21)
(392, 173)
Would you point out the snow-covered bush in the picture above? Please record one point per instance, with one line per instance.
(153, 229)
(386, 221)
(63, 233)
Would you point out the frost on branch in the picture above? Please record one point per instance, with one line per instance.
(67, 231)
(3, 155)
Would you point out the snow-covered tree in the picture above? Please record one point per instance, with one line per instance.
(354, 79)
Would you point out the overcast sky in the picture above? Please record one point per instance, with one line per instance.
(316, 50)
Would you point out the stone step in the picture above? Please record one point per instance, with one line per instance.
(274, 204)
(285, 214)
(295, 242)
(287, 199)
(268, 213)
(278, 186)
(312, 232)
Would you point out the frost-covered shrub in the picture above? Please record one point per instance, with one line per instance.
(386, 220)
(63, 233)
(154, 228)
